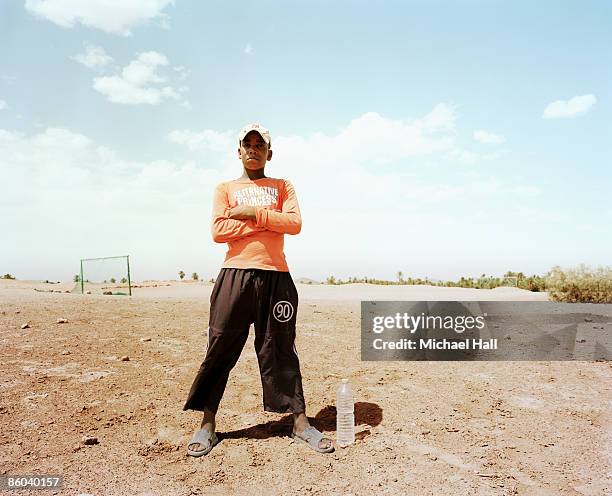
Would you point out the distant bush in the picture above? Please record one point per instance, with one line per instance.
(582, 284)
(8, 276)
(533, 283)
(123, 280)
(195, 276)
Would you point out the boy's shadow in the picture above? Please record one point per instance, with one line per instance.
(368, 414)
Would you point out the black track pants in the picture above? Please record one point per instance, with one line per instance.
(269, 300)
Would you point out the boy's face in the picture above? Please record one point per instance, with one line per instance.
(254, 151)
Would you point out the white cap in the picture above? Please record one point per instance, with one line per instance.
(255, 126)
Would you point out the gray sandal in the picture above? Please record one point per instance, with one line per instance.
(204, 438)
(311, 436)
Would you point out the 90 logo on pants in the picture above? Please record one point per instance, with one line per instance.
(283, 311)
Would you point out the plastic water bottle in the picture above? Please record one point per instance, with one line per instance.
(345, 415)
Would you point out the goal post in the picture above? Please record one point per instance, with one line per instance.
(105, 275)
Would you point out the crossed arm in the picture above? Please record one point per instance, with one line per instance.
(229, 224)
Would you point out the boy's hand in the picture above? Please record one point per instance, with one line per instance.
(243, 212)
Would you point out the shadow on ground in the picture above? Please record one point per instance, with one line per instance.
(367, 414)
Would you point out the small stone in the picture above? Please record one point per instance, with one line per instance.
(26, 325)
(588, 319)
(89, 441)
(17, 311)
(66, 352)
(145, 340)
(125, 358)
(62, 321)
(425, 432)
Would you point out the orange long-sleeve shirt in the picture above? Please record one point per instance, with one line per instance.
(256, 244)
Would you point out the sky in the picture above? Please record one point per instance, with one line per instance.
(441, 139)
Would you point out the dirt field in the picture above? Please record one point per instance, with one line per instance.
(424, 428)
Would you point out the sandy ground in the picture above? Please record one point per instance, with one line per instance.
(431, 428)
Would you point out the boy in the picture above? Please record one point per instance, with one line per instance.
(252, 214)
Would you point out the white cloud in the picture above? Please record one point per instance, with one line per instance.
(248, 49)
(573, 107)
(488, 138)
(94, 57)
(207, 140)
(113, 16)
(469, 157)
(465, 156)
(365, 187)
(182, 72)
(442, 117)
(139, 82)
(79, 199)
(368, 140)
(374, 139)
(3, 105)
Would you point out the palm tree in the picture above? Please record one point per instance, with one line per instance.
(195, 276)
(400, 276)
(181, 274)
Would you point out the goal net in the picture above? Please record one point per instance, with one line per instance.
(106, 275)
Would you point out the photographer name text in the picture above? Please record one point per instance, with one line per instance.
(435, 344)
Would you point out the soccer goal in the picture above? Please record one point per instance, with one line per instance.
(105, 275)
